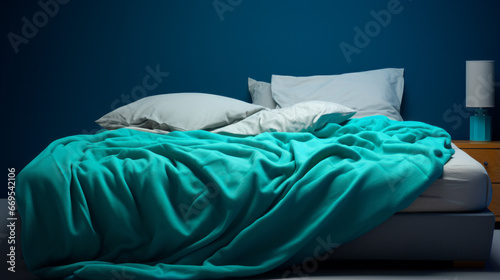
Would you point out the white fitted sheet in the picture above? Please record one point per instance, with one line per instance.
(464, 186)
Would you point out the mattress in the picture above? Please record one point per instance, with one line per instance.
(464, 187)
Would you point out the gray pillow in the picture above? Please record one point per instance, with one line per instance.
(179, 111)
(261, 93)
(375, 92)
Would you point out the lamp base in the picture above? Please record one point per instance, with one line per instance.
(480, 128)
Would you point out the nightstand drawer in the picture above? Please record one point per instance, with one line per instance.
(490, 158)
(495, 202)
(488, 154)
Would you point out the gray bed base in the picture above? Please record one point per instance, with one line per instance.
(426, 237)
(418, 237)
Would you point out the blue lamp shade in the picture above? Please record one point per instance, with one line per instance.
(480, 94)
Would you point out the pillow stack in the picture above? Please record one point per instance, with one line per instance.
(376, 92)
(287, 104)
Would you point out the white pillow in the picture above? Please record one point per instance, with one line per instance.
(179, 111)
(261, 93)
(377, 92)
(304, 116)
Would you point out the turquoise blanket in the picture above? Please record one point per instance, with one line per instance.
(196, 204)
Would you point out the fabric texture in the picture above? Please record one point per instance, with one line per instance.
(464, 187)
(179, 111)
(261, 93)
(198, 204)
(304, 116)
(376, 92)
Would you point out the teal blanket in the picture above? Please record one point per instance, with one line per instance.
(196, 204)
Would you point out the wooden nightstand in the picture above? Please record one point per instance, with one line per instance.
(488, 154)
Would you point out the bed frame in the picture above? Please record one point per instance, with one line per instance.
(464, 238)
(458, 237)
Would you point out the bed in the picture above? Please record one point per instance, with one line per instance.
(190, 185)
(449, 221)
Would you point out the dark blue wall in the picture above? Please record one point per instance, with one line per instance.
(87, 57)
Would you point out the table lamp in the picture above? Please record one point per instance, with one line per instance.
(480, 94)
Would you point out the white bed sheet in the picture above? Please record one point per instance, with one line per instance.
(464, 187)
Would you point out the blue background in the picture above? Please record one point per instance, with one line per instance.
(91, 56)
